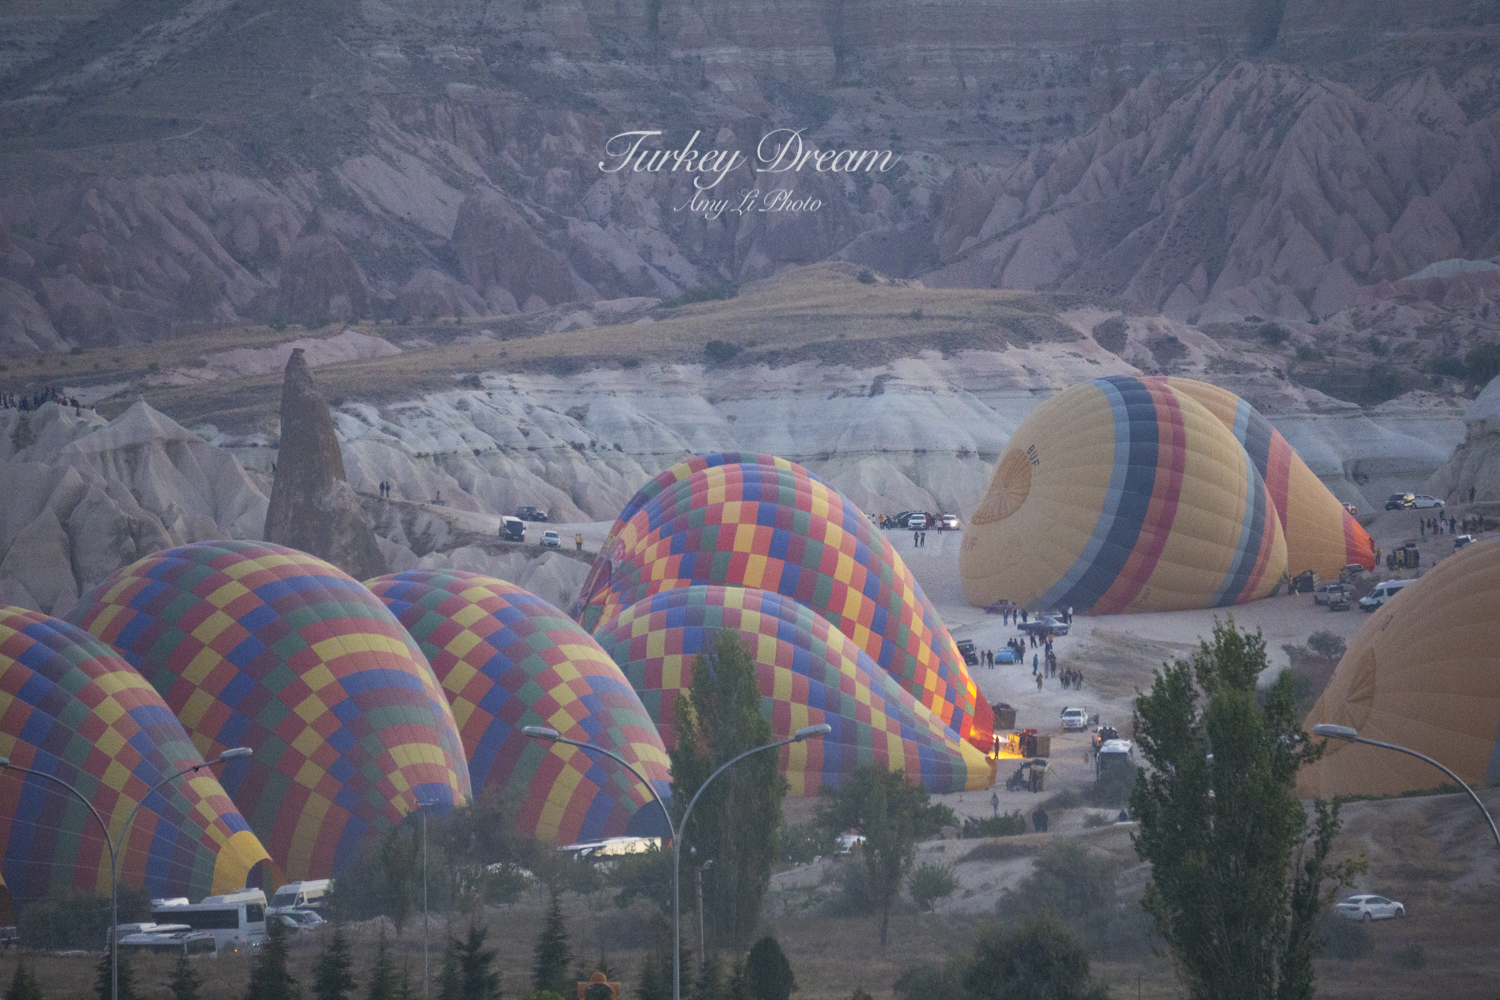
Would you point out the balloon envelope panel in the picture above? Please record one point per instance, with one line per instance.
(271, 648)
(1320, 534)
(1422, 673)
(769, 528)
(809, 673)
(71, 708)
(1121, 495)
(508, 659)
(599, 573)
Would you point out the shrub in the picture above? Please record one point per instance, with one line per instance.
(720, 351)
(1483, 363)
(1326, 645)
(78, 921)
(1450, 367)
(804, 842)
(1041, 958)
(1273, 334)
(1067, 880)
(930, 882)
(1307, 352)
(866, 277)
(1112, 334)
(928, 981)
(1009, 825)
(1376, 345)
(471, 381)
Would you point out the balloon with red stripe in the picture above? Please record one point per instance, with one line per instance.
(1121, 494)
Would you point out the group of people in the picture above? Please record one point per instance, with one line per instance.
(918, 539)
(10, 401)
(1439, 525)
(385, 489)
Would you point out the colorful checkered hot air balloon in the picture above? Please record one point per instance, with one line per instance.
(809, 673)
(1320, 534)
(1121, 494)
(600, 571)
(772, 527)
(71, 708)
(508, 659)
(262, 646)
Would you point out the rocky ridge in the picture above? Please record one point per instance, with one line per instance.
(1208, 160)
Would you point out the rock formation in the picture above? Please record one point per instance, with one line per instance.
(84, 497)
(1475, 462)
(313, 507)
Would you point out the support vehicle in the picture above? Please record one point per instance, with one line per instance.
(237, 920)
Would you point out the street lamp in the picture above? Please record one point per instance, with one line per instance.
(551, 735)
(1349, 734)
(114, 849)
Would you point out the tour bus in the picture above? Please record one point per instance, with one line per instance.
(237, 920)
(309, 895)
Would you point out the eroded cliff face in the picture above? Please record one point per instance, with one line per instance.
(218, 162)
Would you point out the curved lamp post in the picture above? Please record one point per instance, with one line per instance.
(1350, 735)
(552, 736)
(114, 849)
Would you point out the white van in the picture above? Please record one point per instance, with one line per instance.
(1384, 591)
(309, 895)
(237, 920)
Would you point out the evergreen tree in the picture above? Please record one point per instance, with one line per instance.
(477, 980)
(734, 824)
(769, 972)
(1041, 958)
(1237, 877)
(333, 975)
(711, 985)
(383, 983)
(655, 983)
(23, 985)
(102, 979)
(549, 971)
(269, 978)
(450, 982)
(185, 982)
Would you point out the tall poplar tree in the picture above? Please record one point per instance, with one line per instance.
(1238, 871)
(734, 824)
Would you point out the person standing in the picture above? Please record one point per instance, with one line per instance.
(1471, 494)
(578, 540)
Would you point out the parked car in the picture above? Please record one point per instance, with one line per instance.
(550, 539)
(1384, 591)
(947, 522)
(531, 514)
(1339, 601)
(297, 920)
(1422, 501)
(1367, 908)
(1400, 501)
(969, 653)
(902, 520)
(916, 522)
(1324, 591)
(512, 529)
(1074, 719)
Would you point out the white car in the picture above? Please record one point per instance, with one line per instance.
(1074, 719)
(1369, 908)
(550, 539)
(1423, 500)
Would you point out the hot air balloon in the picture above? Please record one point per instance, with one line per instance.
(1320, 534)
(508, 659)
(1422, 674)
(771, 528)
(1120, 494)
(71, 708)
(263, 646)
(599, 573)
(809, 673)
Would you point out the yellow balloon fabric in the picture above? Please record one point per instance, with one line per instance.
(1320, 534)
(1122, 495)
(1423, 673)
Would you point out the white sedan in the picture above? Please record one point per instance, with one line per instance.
(1423, 500)
(550, 539)
(1369, 908)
